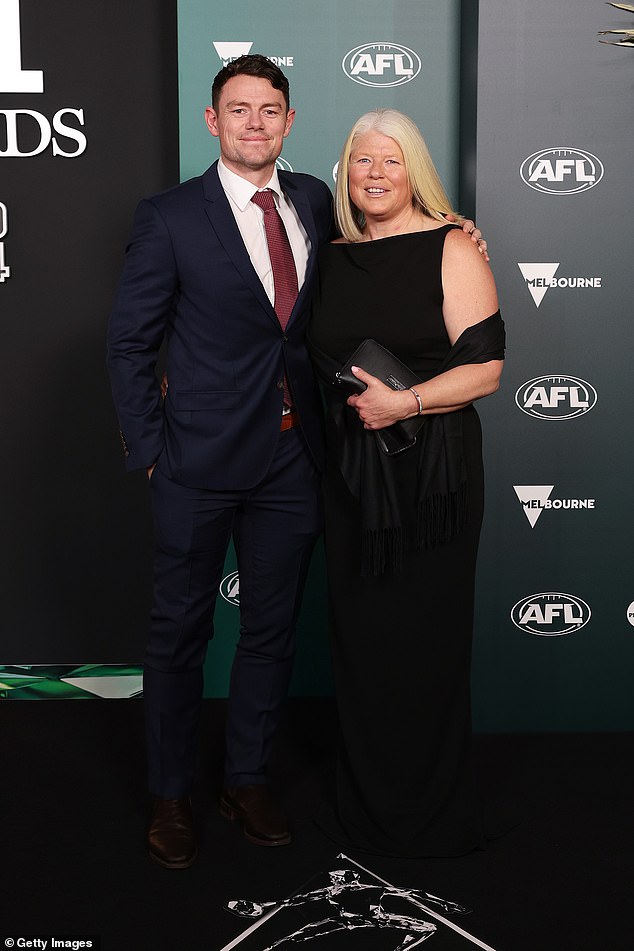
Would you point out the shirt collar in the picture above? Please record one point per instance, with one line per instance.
(240, 190)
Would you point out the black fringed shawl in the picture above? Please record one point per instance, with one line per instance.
(414, 502)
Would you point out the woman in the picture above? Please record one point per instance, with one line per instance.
(402, 530)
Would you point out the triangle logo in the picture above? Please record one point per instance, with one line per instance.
(232, 50)
(538, 277)
(533, 498)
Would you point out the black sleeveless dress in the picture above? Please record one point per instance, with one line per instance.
(401, 641)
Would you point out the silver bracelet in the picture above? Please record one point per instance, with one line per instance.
(418, 400)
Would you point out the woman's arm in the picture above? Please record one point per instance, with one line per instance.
(469, 297)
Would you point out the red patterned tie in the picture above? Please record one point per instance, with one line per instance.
(282, 263)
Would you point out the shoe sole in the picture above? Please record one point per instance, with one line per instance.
(159, 861)
(227, 812)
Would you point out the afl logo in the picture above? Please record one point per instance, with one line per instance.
(556, 397)
(381, 64)
(550, 614)
(561, 171)
(283, 165)
(230, 588)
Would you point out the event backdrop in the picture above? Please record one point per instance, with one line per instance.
(555, 642)
(528, 116)
(88, 124)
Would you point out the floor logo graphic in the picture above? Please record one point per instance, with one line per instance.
(381, 64)
(349, 898)
(540, 277)
(561, 171)
(556, 397)
(230, 588)
(550, 614)
(535, 498)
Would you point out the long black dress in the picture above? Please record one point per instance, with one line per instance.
(401, 641)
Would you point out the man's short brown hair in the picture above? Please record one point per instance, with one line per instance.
(252, 64)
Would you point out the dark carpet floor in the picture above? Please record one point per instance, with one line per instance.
(74, 812)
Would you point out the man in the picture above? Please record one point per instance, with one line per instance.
(225, 453)
(222, 265)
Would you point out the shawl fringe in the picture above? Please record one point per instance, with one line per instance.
(382, 549)
(441, 517)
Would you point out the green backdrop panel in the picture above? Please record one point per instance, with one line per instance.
(342, 58)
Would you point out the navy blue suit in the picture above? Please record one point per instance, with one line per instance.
(223, 468)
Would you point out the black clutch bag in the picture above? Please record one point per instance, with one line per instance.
(381, 363)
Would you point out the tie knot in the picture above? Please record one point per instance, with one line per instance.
(264, 199)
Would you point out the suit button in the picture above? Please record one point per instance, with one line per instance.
(280, 384)
(284, 338)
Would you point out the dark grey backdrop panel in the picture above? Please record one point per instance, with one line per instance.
(547, 89)
(75, 529)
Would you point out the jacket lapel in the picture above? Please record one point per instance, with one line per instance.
(222, 220)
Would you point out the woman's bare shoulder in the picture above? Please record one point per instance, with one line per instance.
(460, 251)
(459, 240)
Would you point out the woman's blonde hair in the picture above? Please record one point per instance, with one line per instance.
(428, 194)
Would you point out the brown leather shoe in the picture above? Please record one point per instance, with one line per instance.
(171, 834)
(255, 809)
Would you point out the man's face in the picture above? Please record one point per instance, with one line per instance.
(251, 123)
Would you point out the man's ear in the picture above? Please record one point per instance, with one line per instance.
(211, 121)
(290, 118)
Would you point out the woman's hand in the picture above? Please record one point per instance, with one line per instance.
(380, 406)
(475, 234)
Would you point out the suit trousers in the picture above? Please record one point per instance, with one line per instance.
(274, 526)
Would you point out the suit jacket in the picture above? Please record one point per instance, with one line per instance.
(188, 275)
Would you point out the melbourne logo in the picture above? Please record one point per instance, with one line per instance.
(5, 271)
(381, 64)
(283, 165)
(561, 171)
(556, 397)
(26, 127)
(540, 277)
(230, 588)
(550, 614)
(230, 50)
(535, 498)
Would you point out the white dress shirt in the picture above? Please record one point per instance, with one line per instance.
(250, 220)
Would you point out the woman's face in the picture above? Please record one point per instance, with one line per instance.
(377, 177)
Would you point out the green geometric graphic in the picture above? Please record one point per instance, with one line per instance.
(66, 682)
